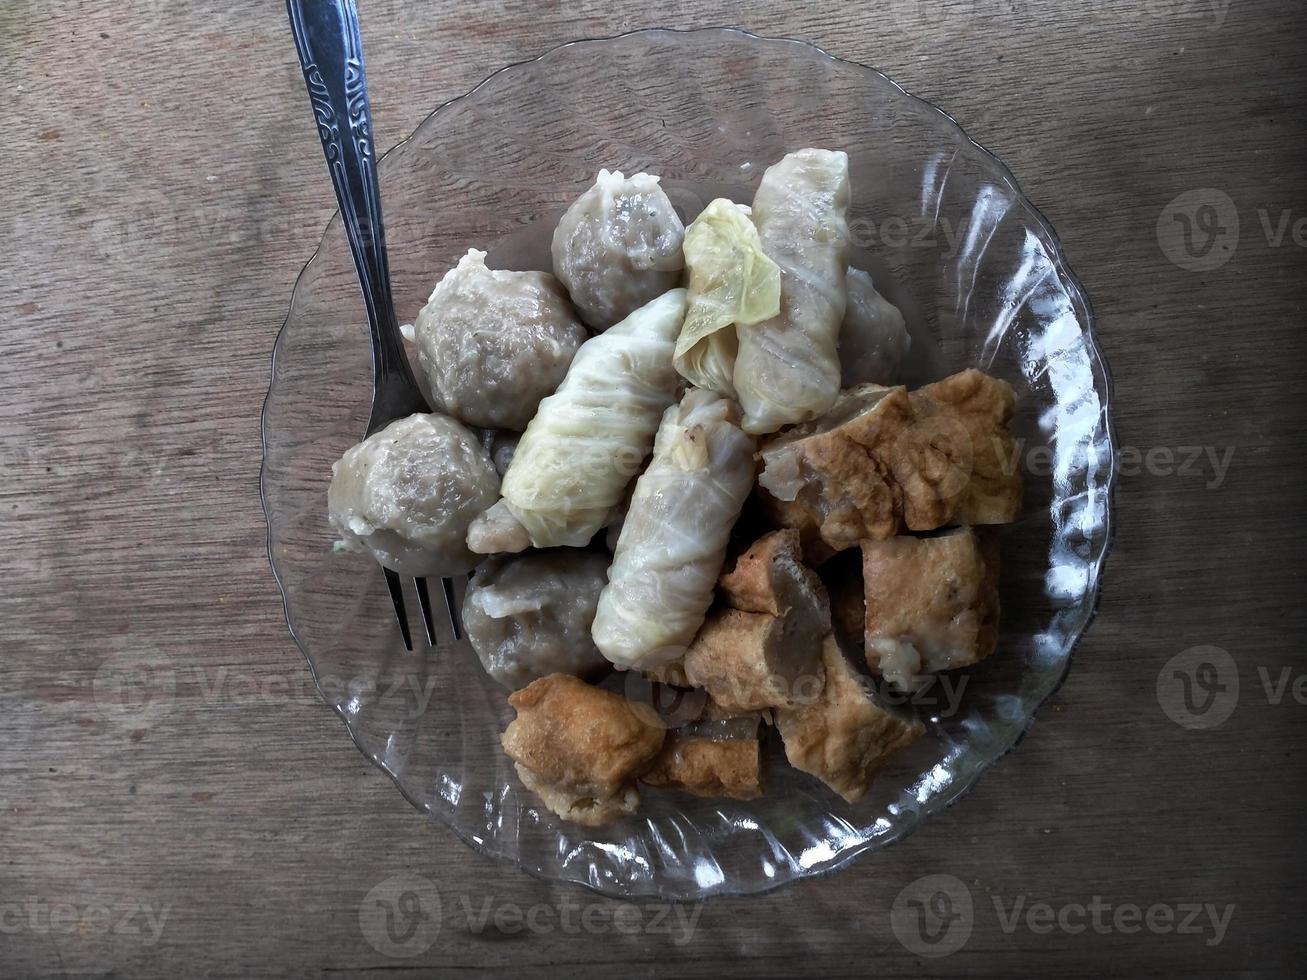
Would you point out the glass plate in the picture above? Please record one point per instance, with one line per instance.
(943, 229)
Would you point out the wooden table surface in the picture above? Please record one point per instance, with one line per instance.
(162, 188)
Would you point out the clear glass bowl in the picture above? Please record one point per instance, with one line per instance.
(945, 232)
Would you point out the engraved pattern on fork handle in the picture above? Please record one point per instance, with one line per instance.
(335, 77)
(337, 70)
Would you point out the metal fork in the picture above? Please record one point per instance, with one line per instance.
(331, 54)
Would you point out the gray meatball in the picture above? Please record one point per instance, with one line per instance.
(618, 247)
(407, 494)
(493, 343)
(529, 615)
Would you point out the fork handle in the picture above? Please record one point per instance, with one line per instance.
(331, 55)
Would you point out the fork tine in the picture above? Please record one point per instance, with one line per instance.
(450, 605)
(424, 601)
(397, 600)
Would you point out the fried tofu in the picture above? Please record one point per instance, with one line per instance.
(844, 738)
(728, 767)
(835, 470)
(579, 748)
(882, 460)
(718, 754)
(771, 578)
(931, 604)
(751, 661)
(965, 453)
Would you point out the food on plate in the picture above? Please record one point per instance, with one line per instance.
(528, 616)
(863, 498)
(731, 282)
(408, 493)
(493, 343)
(843, 737)
(932, 604)
(588, 439)
(716, 756)
(674, 537)
(966, 415)
(618, 246)
(837, 471)
(579, 748)
(750, 661)
(882, 460)
(788, 367)
(770, 577)
(873, 339)
(497, 532)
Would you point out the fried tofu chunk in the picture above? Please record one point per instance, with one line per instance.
(843, 738)
(931, 604)
(835, 470)
(751, 661)
(962, 457)
(882, 460)
(708, 767)
(716, 755)
(579, 748)
(771, 578)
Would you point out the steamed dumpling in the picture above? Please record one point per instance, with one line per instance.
(493, 343)
(873, 340)
(788, 367)
(529, 616)
(407, 495)
(618, 247)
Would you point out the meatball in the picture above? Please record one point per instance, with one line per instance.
(493, 343)
(407, 494)
(529, 616)
(618, 247)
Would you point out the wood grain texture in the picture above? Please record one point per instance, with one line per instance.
(162, 188)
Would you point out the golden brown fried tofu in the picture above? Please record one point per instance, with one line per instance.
(835, 470)
(882, 460)
(708, 767)
(844, 738)
(750, 661)
(771, 578)
(579, 748)
(718, 754)
(931, 604)
(964, 453)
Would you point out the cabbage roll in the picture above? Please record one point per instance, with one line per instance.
(788, 367)
(589, 438)
(731, 282)
(617, 247)
(674, 539)
(873, 340)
